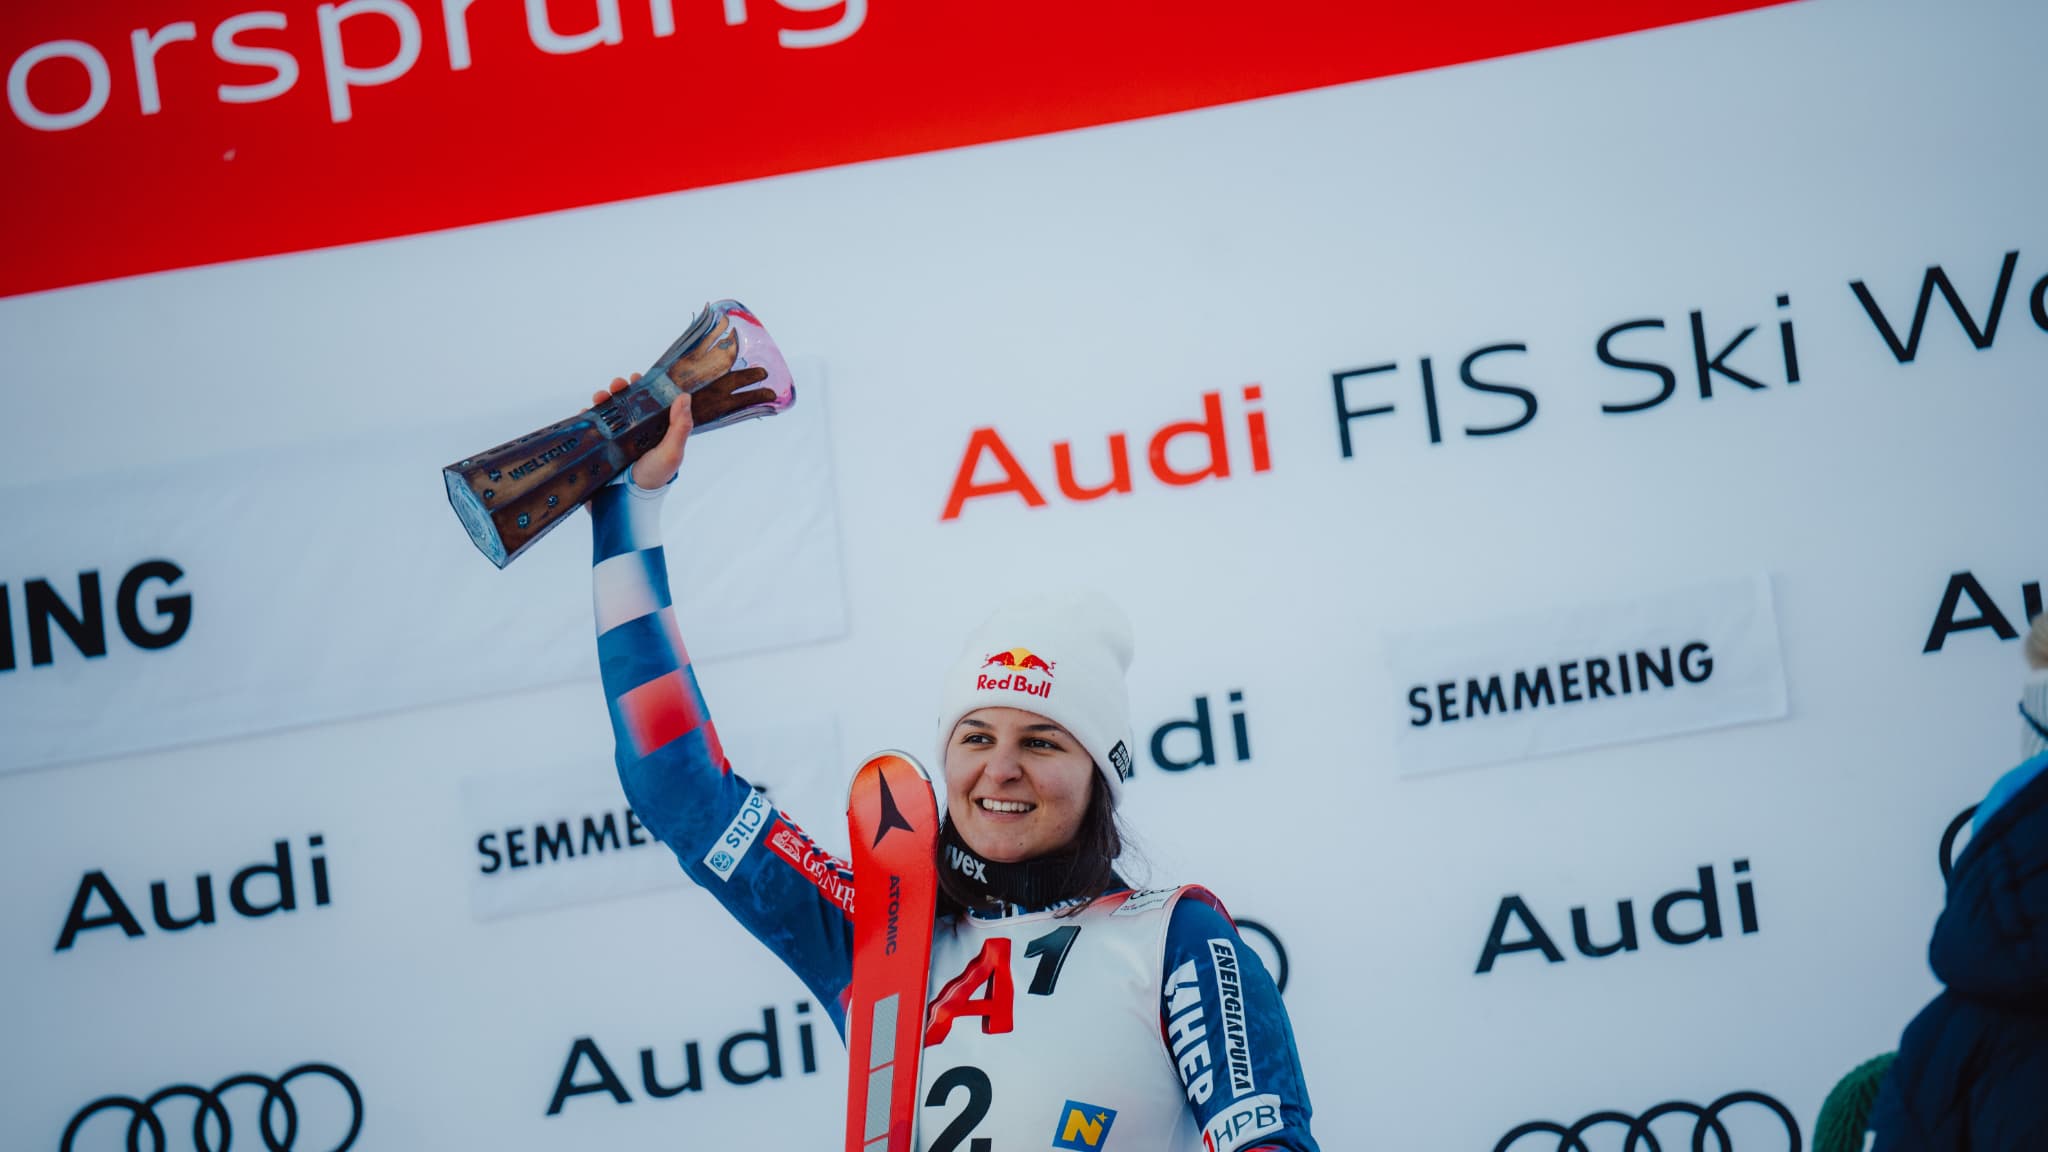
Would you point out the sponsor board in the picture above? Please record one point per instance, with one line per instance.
(1583, 676)
(255, 612)
(537, 842)
(1968, 606)
(1685, 915)
(261, 889)
(314, 1105)
(1736, 1122)
(744, 1058)
(365, 90)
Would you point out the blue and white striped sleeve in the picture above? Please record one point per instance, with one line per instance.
(793, 897)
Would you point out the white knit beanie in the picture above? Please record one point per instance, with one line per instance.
(1062, 656)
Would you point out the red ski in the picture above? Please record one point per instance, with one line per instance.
(893, 817)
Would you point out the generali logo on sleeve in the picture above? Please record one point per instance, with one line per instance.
(263, 121)
(1580, 677)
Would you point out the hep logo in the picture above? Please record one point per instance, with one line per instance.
(1018, 660)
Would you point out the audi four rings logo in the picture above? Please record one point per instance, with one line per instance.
(1645, 1134)
(1953, 842)
(211, 1129)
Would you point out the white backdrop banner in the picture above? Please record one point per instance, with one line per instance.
(1358, 397)
(553, 840)
(267, 590)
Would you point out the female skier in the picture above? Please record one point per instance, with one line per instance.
(1064, 1007)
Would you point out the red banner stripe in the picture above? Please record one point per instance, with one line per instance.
(392, 126)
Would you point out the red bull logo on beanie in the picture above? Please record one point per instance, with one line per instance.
(1018, 668)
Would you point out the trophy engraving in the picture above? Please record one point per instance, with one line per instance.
(515, 493)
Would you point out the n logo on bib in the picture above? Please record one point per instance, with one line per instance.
(1083, 1127)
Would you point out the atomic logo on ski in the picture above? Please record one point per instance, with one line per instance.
(892, 816)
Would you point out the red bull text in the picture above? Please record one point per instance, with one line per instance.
(1015, 682)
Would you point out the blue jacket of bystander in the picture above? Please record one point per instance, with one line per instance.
(1972, 1069)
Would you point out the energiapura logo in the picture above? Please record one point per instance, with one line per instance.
(83, 618)
(262, 889)
(1678, 917)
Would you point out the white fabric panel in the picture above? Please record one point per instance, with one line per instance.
(622, 591)
(325, 583)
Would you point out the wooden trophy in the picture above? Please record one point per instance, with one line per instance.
(516, 493)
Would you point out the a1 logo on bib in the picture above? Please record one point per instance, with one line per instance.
(1083, 1127)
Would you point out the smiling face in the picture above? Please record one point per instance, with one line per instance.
(1017, 784)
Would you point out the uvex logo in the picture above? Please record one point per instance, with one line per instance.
(1179, 454)
(86, 624)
